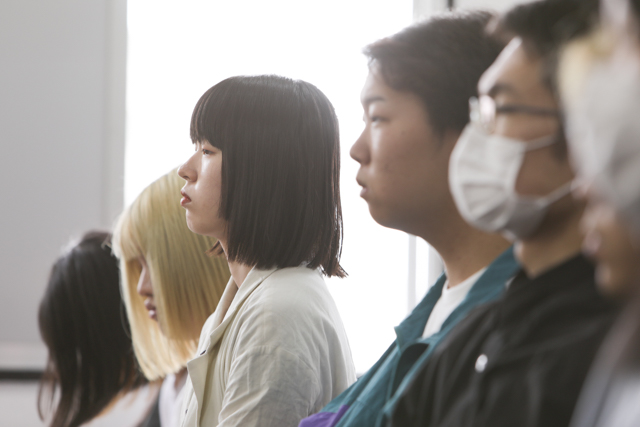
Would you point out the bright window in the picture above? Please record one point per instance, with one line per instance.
(177, 50)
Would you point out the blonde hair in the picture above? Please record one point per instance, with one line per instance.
(187, 283)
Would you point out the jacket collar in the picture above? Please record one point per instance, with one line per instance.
(231, 301)
(412, 327)
(225, 312)
(574, 276)
(490, 284)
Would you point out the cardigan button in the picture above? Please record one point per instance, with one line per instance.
(481, 363)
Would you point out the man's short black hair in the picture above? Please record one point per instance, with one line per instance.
(545, 26)
(441, 61)
(280, 170)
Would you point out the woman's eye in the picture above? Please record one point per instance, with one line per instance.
(206, 152)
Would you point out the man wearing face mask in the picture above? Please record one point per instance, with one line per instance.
(520, 361)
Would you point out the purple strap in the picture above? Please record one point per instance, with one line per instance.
(324, 419)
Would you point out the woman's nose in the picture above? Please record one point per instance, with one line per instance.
(145, 288)
(186, 171)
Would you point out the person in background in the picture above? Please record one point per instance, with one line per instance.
(91, 372)
(600, 82)
(600, 86)
(522, 360)
(170, 287)
(415, 106)
(265, 181)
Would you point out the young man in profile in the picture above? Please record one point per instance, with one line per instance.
(521, 360)
(415, 106)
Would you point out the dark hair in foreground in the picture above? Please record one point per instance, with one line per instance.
(280, 170)
(441, 61)
(545, 26)
(81, 321)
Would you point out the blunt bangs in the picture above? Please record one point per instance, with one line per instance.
(205, 120)
(187, 283)
(126, 243)
(280, 170)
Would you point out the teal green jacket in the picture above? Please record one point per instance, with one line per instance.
(366, 401)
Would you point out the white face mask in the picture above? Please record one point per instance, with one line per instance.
(483, 170)
(603, 125)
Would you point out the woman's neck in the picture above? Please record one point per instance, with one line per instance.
(239, 272)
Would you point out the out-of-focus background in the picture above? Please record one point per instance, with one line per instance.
(95, 101)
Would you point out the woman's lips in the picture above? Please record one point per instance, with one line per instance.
(185, 198)
(151, 309)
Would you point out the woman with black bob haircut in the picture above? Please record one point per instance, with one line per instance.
(264, 181)
(91, 369)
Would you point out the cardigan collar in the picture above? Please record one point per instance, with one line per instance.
(231, 301)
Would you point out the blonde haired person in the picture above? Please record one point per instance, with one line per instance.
(170, 286)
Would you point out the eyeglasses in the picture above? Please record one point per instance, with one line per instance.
(483, 111)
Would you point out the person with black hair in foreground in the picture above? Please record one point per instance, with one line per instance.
(92, 372)
(520, 361)
(415, 106)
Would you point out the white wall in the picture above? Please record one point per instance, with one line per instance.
(62, 143)
(62, 97)
(498, 5)
(158, 120)
(424, 8)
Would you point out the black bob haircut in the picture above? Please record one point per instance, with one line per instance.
(81, 321)
(441, 61)
(280, 170)
(544, 27)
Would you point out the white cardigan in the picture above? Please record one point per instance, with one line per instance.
(274, 352)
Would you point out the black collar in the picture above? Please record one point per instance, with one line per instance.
(576, 274)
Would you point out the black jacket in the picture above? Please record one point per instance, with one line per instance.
(517, 362)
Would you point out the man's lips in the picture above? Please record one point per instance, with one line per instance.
(364, 187)
(185, 198)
